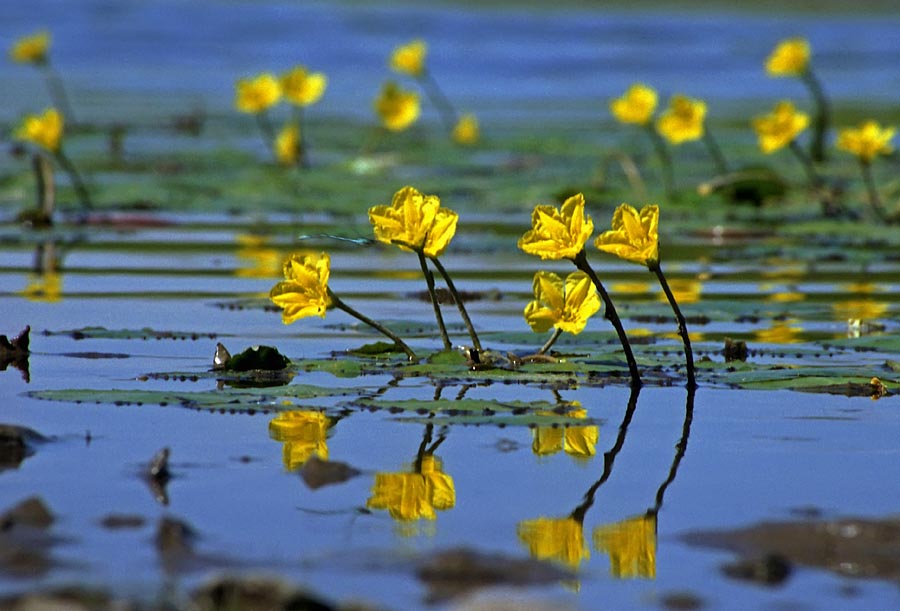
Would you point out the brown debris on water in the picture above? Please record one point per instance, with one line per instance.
(16, 353)
(158, 475)
(734, 350)
(16, 444)
(317, 473)
(255, 594)
(26, 543)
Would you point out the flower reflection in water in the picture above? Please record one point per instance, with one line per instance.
(781, 332)
(630, 545)
(256, 257)
(44, 287)
(555, 539)
(577, 441)
(304, 434)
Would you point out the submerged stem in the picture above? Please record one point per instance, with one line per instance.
(429, 281)
(336, 302)
(665, 159)
(682, 324)
(611, 315)
(556, 333)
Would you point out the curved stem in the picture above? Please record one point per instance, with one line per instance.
(680, 449)
(58, 93)
(556, 333)
(820, 120)
(459, 304)
(874, 199)
(611, 315)
(77, 183)
(682, 325)
(665, 159)
(437, 97)
(429, 281)
(815, 181)
(336, 302)
(301, 140)
(715, 151)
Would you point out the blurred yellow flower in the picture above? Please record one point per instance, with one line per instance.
(303, 433)
(781, 332)
(302, 87)
(636, 105)
(257, 94)
(466, 130)
(414, 221)
(558, 233)
(779, 128)
(410, 58)
(789, 58)
(556, 539)
(683, 120)
(304, 291)
(397, 108)
(287, 145)
(566, 307)
(414, 495)
(867, 141)
(631, 546)
(634, 235)
(31, 49)
(263, 261)
(44, 130)
(45, 287)
(579, 441)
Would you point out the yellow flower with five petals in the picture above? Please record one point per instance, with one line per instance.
(683, 120)
(558, 233)
(410, 58)
(302, 87)
(636, 105)
(44, 130)
(780, 127)
(31, 49)
(397, 108)
(634, 235)
(254, 95)
(414, 221)
(304, 291)
(867, 141)
(564, 306)
(789, 58)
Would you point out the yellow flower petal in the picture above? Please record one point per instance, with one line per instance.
(557, 539)
(634, 235)
(636, 105)
(631, 546)
(410, 58)
(44, 130)
(780, 127)
(302, 87)
(867, 141)
(566, 306)
(409, 496)
(558, 234)
(304, 291)
(789, 58)
(397, 108)
(683, 120)
(31, 49)
(287, 145)
(466, 131)
(414, 221)
(254, 95)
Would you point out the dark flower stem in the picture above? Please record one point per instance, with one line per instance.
(77, 183)
(820, 120)
(715, 151)
(58, 92)
(682, 324)
(680, 449)
(556, 333)
(266, 129)
(874, 199)
(336, 302)
(429, 281)
(611, 315)
(815, 181)
(437, 97)
(459, 304)
(302, 156)
(665, 160)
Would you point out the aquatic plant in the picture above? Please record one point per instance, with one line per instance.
(562, 306)
(684, 120)
(867, 142)
(416, 222)
(302, 88)
(635, 237)
(466, 131)
(396, 108)
(305, 292)
(34, 49)
(779, 129)
(792, 58)
(256, 96)
(561, 233)
(46, 131)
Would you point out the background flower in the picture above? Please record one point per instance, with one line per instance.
(254, 95)
(397, 108)
(44, 130)
(867, 141)
(558, 233)
(634, 235)
(466, 130)
(780, 127)
(31, 49)
(636, 105)
(304, 291)
(566, 307)
(302, 87)
(287, 144)
(789, 58)
(414, 220)
(683, 120)
(410, 58)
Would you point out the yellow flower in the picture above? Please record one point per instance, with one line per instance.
(634, 235)
(577, 441)
(558, 234)
(466, 130)
(304, 291)
(303, 433)
(410, 58)
(631, 546)
(683, 120)
(287, 145)
(789, 58)
(564, 307)
(301, 87)
(44, 130)
(398, 109)
(414, 495)
(636, 106)
(257, 94)
(31, 49)
(414, 221)
(867, 141)
(779, 128)
(557, 539)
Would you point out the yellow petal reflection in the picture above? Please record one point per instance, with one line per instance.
(397, 108)
(46, 287)
(254, 95)
(410, 58)
(865, 310)
(634, 235)
(304, 291)
(556, 539)
(31, 49)
(414, 220)
(302, 87)
(466, 131)
(683, 120)
(685, 290)
(44, 130)
(564, 306)
(303, 433)
(574, 440)
(414, 495)
(256, 259)
(630, 545)
(636, 105)
(789, 58)
(781, 332)
(779, 128)
(558, 233)
(867, 141)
